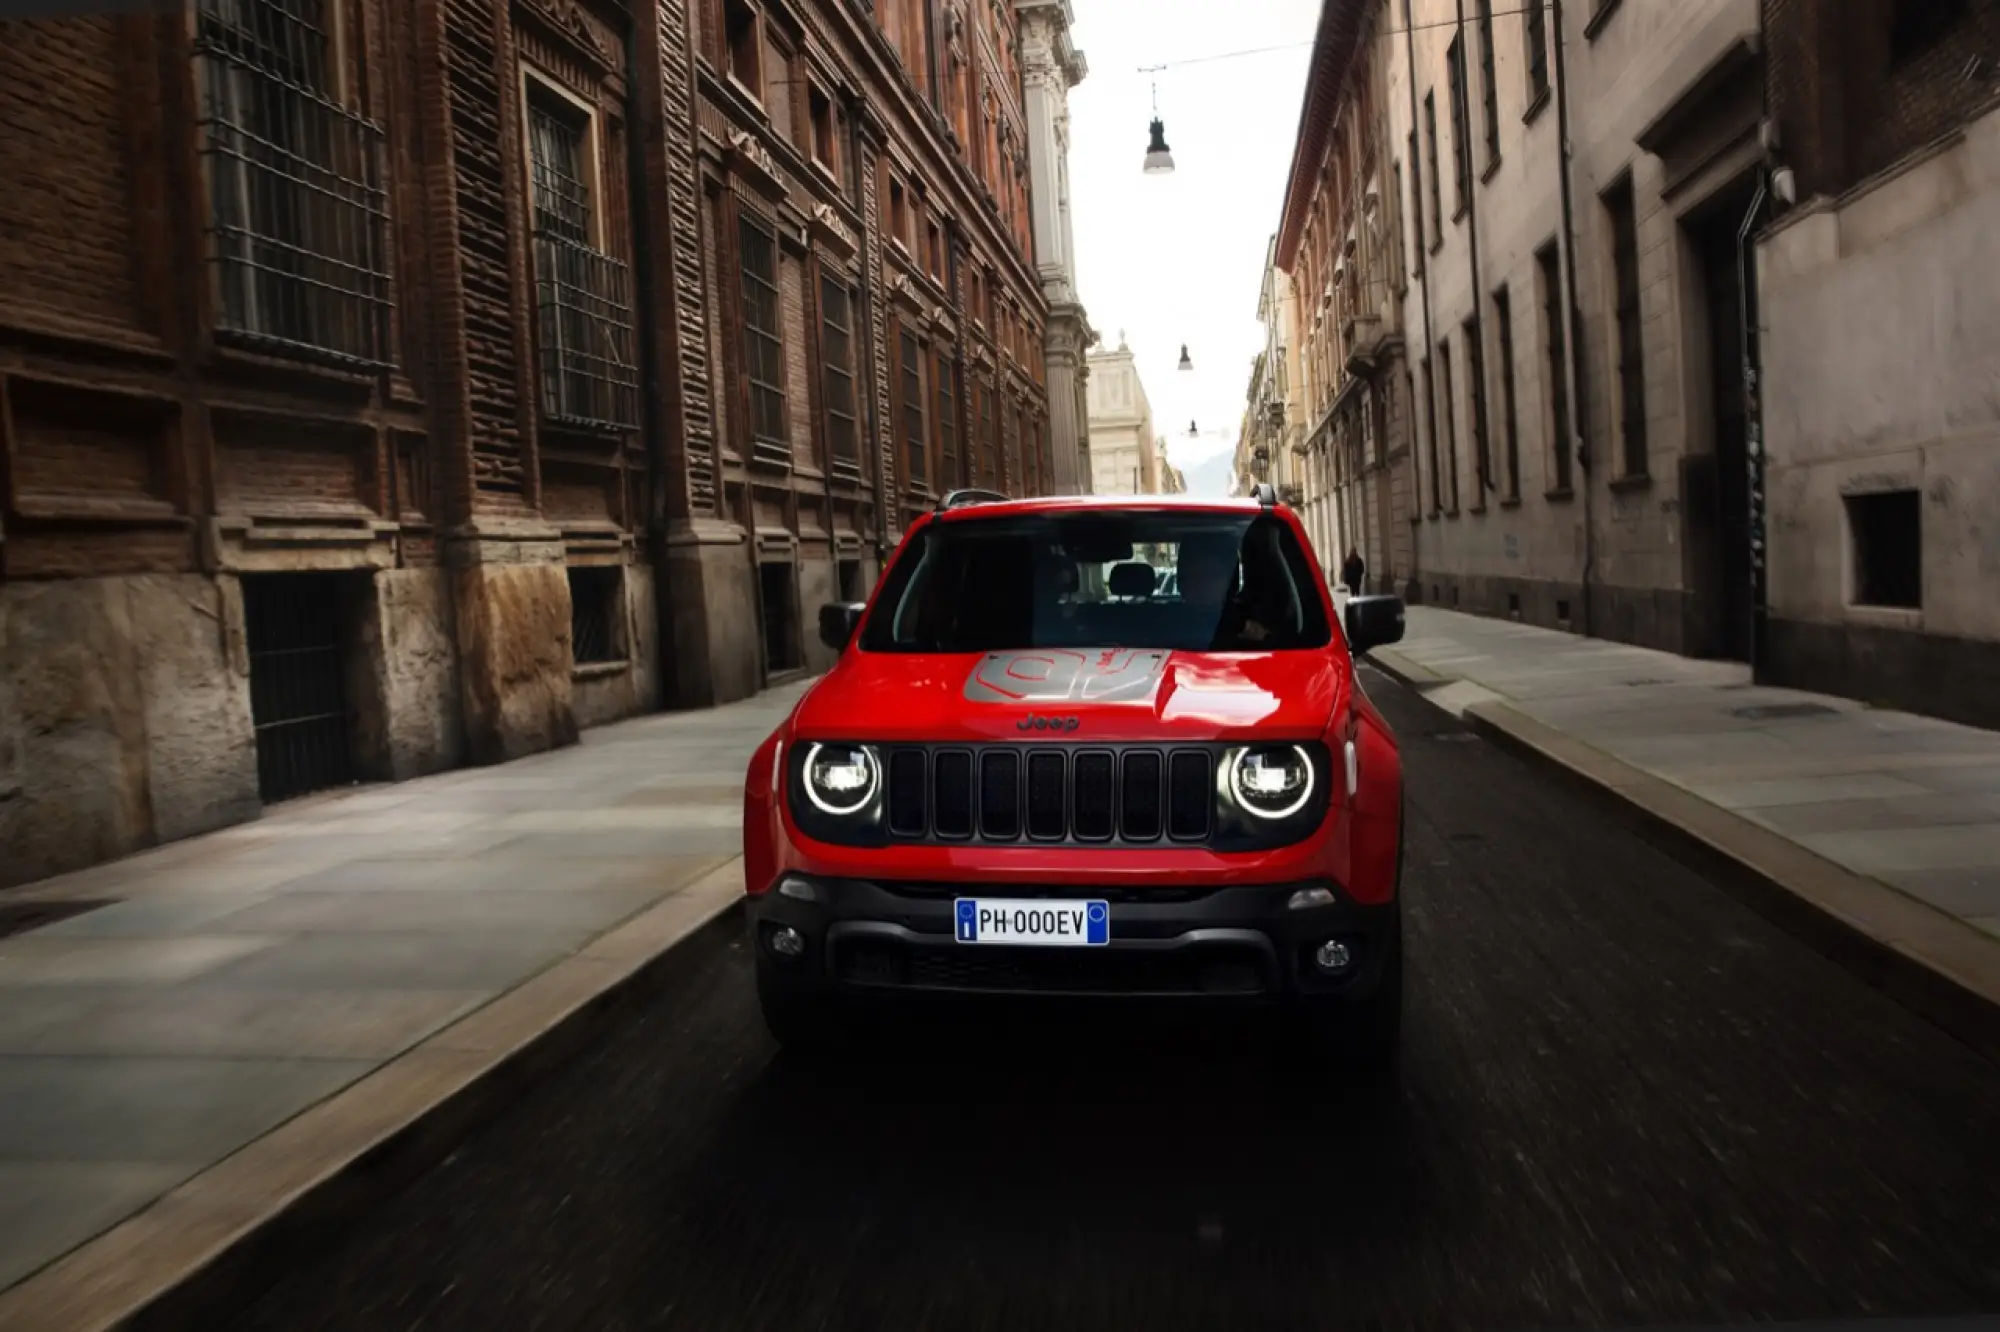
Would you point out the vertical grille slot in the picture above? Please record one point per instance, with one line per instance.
(1093, 801)
(951, 794)
(909, 794)
(1048, 804)
(1190, 794)
(1141, 801)
(1000, 795)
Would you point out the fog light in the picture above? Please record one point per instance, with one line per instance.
(1310, 897)
(799, 890)
(1333, 955)
(788, 942)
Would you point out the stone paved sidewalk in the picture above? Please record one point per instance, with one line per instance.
(1909, 801)
(237, 978)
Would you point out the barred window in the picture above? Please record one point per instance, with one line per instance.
(597, 615)
(1535, 25)
(947, 421)
(583, 297)
(1489, 85)
(297, 209)
(913, 408)
(989, 436)
(1461, 124)
(763, 347)
(1631, 337)
(836, 314)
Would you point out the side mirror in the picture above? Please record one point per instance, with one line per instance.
(1373, 622)
(837, 623)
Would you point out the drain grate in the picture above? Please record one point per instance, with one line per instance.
(1639, 684)
(1451, 737)
(1782, 711)
(20, 917)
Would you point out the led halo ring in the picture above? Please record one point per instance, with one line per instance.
(1305, 792)
(868, 792)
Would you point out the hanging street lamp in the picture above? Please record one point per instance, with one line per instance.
(1159, 158)
(1187, 362)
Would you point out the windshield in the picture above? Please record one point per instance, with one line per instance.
(1200, 582)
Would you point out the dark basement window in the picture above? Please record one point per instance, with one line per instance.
(1885, 532)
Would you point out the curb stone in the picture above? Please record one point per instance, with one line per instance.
(1934, 964)
(186, 1259)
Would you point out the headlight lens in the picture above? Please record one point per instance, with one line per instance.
(842, 780)
(1272, 783)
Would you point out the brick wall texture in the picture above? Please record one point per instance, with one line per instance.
(1858, 85)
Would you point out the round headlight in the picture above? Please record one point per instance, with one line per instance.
(1272, 783)
(841, 779)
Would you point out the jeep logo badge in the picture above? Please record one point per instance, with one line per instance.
(1033, 723)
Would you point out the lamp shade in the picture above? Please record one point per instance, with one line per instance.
(1159, 159)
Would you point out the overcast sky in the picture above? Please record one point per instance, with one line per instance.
(1178, 258)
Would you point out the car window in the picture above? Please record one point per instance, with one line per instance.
(1203, 582)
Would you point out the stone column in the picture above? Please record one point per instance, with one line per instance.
(1050, 67)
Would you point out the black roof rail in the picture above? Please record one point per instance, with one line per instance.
(1265, 494)
(959, 498)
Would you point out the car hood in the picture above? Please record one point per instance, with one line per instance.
(1110, 694)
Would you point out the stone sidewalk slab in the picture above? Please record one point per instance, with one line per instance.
(234, 986)
(1885, 822)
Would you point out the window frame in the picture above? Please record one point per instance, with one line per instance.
(758, 442)
(847, 460)
(1503, 323)
(728, 53)
(1621, 203)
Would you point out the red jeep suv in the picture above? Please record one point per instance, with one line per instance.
(1043, 767)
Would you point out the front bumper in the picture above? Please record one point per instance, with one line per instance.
(1241, 944)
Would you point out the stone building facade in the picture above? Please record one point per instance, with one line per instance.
(1125, 451)
(1051, 66)
(1880, 308)
(391, 386)
(1602, 491)
(1336, 293)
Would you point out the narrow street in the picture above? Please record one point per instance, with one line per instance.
(1628, 1101)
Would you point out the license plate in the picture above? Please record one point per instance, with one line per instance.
(1038, 923)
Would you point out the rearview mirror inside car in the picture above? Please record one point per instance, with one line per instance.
(1373, 622)
(838, 621)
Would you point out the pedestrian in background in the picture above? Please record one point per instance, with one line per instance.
(1353, 570)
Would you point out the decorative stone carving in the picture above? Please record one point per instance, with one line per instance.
(751, 160)
(834, 232)
(569, 18)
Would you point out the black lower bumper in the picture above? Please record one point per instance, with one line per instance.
(1245, 943)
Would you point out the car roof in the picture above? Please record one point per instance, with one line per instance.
(1061, 504)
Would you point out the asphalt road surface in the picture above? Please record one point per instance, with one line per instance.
(1628, 1100)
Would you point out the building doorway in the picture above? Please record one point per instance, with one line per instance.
(1717, 516)
(777, 600)
(295, 625)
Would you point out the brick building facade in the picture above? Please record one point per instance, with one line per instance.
(391, 386)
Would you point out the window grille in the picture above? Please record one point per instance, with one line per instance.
(1631, 336)
(590, 375)
(947, 415)
(763, 349)
(913, 408)
(1535, 22)
(297, 220)
(596, 615)
(837, 359)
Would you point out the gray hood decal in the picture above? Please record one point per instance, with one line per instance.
(1066, 675)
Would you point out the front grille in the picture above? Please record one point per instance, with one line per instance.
(1050, 794)
(1208, 970)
